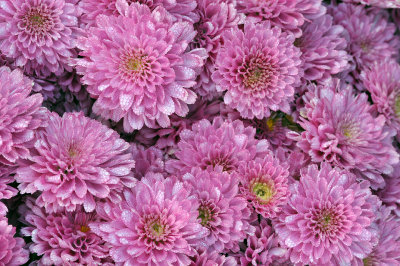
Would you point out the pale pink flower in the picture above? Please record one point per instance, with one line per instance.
(146, 74)
(20, 115)
(75, 160)
(258, 68)
(40, 36)
(328, 218)
(155, 224)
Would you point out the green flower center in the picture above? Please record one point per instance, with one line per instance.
(257, 72)
(263, 191)
(326, 221)
(135, 64)
(397, 106)
(157, 229)
(255, 77)
(37, 21)
(350, 129)
(205, 215)
(369, 261)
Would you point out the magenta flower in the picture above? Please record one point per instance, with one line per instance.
(92, 8)
(340, 129)
(222, 145)
(382, 80)
(328, 218)
(323, 49)
(385, 251)
(390, 195)
(155, 224)
(295, 159)
(369, 35)
(12, 252)
(289, 15)
(39, 35)
(63, 93)
(168, 138)
(264, 183)
(75, 161)
(262, 248)
(215, 18)
(378, 3)
(274, 129)
(144, 76)
(64, 238)
(6, 191)
(147, 160)
(204, 257)
(221, 209)
(258, 69)
(20, 115)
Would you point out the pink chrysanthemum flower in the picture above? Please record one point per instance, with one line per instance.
(264, 183)
(221, 209)
(4, 61)
(223, 145)
(144, 77)
(147, 160)
(340, 129)
(385, 251)
(12, 252)
(295, 159)
(323, 49)
(258, 69)
(6, 191)
(274, 129)
(20, 115)
(39, 35)
(92, 8)
(214, 18)
(64, 238)
(164, 138)
(75, 161)
(211, 258)
(382, 80)
(369, 35)
(289, 15)
(378, 3)
(156, 224)
(262, 248)
(63, 93)
(390, 195)
(328, 218)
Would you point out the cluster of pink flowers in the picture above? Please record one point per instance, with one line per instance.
(200, 132)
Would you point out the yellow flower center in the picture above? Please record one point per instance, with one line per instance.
(85, 228)
(263, 191)
(350, 129)
(270, 124)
